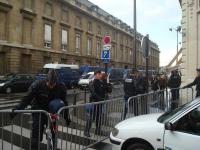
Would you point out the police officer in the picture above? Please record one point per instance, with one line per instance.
(195, 82)
(39, 96)
(133, 85)
(174, 83)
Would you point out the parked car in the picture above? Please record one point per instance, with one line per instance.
(15, 83)
(178, 129)
(85, 79)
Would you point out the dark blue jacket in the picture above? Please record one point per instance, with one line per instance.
(39, 95)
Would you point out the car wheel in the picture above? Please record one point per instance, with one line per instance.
(139, 146)
(8, 90)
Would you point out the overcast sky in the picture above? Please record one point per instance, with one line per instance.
(154, 17)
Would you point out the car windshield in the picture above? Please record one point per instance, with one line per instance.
(170, 114)
(91, 76)
(86, 76)
(44, 71)
(8, 77)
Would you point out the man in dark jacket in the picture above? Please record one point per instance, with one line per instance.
(195, 82)
(174, 83)
(134, 84)
(39, 96)
(98, 93)
(155, 83)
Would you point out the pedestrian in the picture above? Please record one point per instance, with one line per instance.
(162, 81)
(107, 85)
(155, 86)
(94, 111)
(162, 88)
(155, 83)
(133, 85)
(195, 82)
(174, 83)
(40, 96)
(140, 82)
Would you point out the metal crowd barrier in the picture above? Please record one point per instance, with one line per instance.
(153, 102)
(91, 124)
(179, 96)
(158, 101)
(15, 134)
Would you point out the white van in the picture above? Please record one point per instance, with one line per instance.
(68, 74)
(85, 79)
(58, 66)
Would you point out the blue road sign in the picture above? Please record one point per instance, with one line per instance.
(105, 56)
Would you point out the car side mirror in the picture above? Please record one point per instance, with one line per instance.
(169, 126)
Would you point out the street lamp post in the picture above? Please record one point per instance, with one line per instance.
(135, 34)
(178, 30)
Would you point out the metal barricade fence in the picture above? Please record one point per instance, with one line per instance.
(91, 124)
(16, 133)
(179, 96)
(159, 101)
(153, 102)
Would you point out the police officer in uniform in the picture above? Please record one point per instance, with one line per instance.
(39, 96)
(174, 84)
(133, 85)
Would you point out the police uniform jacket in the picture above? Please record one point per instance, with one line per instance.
(174, 81)
(39, 95)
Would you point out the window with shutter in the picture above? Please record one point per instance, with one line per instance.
(27, 31)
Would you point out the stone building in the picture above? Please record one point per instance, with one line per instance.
(190, 39)
(35, 32)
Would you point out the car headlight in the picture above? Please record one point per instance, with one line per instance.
(2, 84)
(115, 132)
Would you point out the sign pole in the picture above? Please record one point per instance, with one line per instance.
(146, 53)
(135, 34)
(147, 74)
(106, 68)
(147, 63)
(106, 52)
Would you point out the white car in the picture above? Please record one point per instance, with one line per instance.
(174, 130)
(85, 79)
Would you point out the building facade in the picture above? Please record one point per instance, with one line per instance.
(33, 33)
(190, 39)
